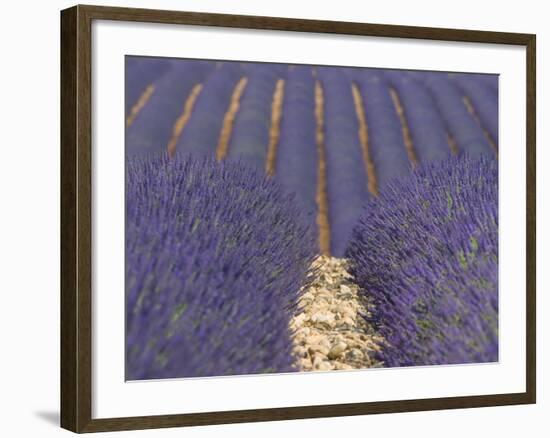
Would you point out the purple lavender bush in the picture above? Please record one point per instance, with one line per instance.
(427, 128)
(483, 97)
(386, 144)
(215, 258)
(152, 129)
(462, 126)
(345, 169)
(139, 73)
(250, 136)
(426, 251)
(201, 135)
(297, 160)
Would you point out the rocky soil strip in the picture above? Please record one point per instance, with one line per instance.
(330, 333)
(321, 198)
(364, 139)
(407, 139)
(229, 119)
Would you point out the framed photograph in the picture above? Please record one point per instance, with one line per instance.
(270, 218)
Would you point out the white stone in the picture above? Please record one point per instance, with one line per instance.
(322, 317)
(345, 289)
(328, 331)
(318, 349)
(337, 350)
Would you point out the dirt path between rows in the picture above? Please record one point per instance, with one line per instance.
(330, 333)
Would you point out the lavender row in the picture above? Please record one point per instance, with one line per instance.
(296, 159)
(426, 253)
(432, 104)
(201, 135)
(216, 255)
(386, 145)
(490, 81)
(139, 74)
(250, 134)
(152, 129)
(345, 168)
(483, 98)
(427, 128)
(461, 125)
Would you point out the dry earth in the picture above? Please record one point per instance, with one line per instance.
(330, 333)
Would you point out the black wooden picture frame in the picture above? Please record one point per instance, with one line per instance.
(76, 217)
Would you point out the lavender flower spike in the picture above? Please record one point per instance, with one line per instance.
(426, 252)
(216, 255)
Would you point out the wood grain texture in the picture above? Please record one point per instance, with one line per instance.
(76, 296)
(76, 223)
(531, 216)
(300, 25)
(69, 329)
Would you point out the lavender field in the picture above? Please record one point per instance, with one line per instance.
(284, 218)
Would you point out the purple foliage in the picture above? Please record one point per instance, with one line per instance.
(140, 72)
(432, 103)
(386, 144)
(201, 135)
(152, 129)
(346, 174)
(427, 128)
(250, 136)
(483, 98)
(426, 252)
(296, 166)
(466, 132)
(490, 81)
(215, 257)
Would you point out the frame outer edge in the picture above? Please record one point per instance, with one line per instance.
(68, 347)
(84, 217)
(76, 220)
(304, 25)
(531, 213)
(76, 251)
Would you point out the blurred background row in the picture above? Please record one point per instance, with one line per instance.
(333, 136)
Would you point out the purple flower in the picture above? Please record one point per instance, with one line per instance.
(426, 252)
(215, 257)
(250, 134)
(152, 129)
(462, 126)
(297, 160)
(345, 169)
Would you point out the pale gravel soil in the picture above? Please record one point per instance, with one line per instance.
(330, 333)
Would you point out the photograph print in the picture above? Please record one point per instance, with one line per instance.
(294, 218)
